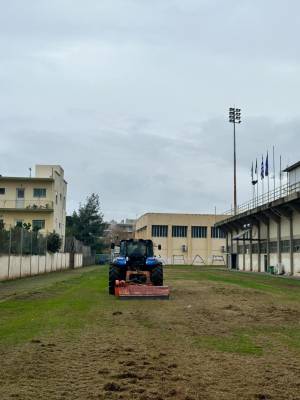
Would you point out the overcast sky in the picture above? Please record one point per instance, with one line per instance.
(131, 96)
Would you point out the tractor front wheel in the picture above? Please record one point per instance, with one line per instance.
(157, 276)
(114, 274)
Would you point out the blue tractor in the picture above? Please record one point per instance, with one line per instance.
(136, 269)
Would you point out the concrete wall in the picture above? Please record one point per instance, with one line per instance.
(16, 266)
(262, 263)
(78, 262)
(285, 261)
(296, 225)
(255, 262)
(296, 263)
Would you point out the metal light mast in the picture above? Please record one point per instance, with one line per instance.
(234, 118)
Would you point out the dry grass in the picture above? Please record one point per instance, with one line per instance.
(221, 336)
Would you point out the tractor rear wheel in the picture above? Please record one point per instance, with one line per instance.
(114, 274)
(157, 276)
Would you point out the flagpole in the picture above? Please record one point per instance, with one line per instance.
(253, 186)
(262, 176)
(257, 183)
(274, 176)
(268, 174)
(268, 188)
(280, 176)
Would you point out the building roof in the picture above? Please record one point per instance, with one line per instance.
(26, 179)
(292, 167)
(181, 214)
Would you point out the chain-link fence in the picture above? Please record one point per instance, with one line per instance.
(74, 246)
(20, 241)
(24, 253)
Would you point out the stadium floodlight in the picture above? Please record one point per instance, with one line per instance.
(234, 118)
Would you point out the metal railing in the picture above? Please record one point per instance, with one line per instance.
(35, 204)
(272, 195)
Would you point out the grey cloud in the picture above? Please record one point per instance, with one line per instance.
(131, 96)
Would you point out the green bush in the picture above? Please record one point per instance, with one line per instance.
(54, 242)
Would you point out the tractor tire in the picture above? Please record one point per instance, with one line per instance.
(157, 276)
(114, 274)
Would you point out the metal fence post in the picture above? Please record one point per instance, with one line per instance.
(46, 254)
(9, 253)
(21, 252)
(38, 252)
(31, 233)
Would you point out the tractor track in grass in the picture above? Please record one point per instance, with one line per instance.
(212, 340)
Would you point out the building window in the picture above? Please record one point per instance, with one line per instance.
(296, 245)
(159, 230)
(241, 249)
(285, 246)
(56, 197)
(199, 231)
(273, 247)
(216, 233)
(179, 231)
(38, 224)
(39, 192)
(2, 190)
(255, 248)
(263, 247)
(1, 223)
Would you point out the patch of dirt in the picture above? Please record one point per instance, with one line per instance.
(153, 353)
(32, 295)
(112, 387)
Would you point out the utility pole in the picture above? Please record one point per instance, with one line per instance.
(234, 118)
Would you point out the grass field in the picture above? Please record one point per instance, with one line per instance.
(222, 335)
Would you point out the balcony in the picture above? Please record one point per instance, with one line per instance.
(35, 205)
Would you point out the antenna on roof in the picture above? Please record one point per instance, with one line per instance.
(30, 172)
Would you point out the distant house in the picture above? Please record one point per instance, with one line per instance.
(117, 231)
(39, 201)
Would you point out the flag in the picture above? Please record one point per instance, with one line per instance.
(254, 181)
(267, 165)
(262, 170)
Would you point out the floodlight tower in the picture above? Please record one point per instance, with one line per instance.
(234, 118)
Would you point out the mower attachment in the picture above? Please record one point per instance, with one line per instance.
(127, 290)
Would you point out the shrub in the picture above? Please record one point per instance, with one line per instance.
(54, 242)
